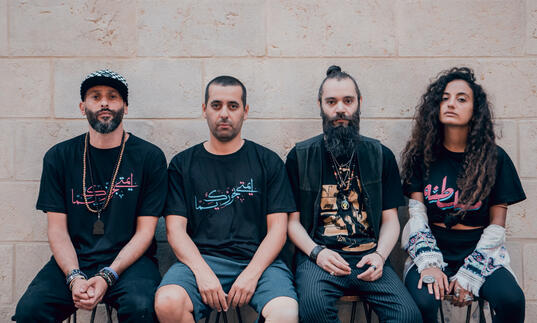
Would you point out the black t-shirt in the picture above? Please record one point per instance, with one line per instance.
(441, 193)
(348, 231)
(140, 190)
(226, 198)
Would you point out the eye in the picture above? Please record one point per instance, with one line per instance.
(462, 99)
(215, 105)
(445, 98)
(330, 101)
(348, 100)
(234, 106)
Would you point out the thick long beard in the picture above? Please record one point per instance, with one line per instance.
(107, 126)
(341, 140)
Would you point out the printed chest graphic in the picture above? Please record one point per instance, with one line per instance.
(446, 197)
(218, 199)
(96, 194)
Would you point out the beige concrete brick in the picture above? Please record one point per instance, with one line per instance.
(40, 136)
(6, 149)
(174, 136)
(6, 274)
(507, 132)
(201, 28)
(6, 311)
(531, 27)
(392, 133)
(30, 258)
(20, 220)
(25, 88)
(531, 311)
(3, 28)
(528, 148)
(511, 86)
(73, 28)
(157, 88)
(521, 216)
(331, 28)
(460, 28)
(530, 274)
(280, 135)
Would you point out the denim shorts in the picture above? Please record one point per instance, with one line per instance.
(276, 281)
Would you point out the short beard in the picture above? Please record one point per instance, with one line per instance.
(106, 126)
(341, 140)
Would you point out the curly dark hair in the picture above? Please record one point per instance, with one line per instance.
(478, 172)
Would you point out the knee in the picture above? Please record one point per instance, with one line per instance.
(172, 301)
(281, 310)
(511, 302)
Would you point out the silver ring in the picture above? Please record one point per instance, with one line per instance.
(374, 267)
(332, 273)
(428, 279)
(468, 298)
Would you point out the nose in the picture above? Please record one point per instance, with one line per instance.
(451, 102)
(104, 102)
(224, 112)
(340, 107)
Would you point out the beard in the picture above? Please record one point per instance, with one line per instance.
(341, 140)
(107, 126)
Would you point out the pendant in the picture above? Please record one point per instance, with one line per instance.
(344, 204)
(98, 228)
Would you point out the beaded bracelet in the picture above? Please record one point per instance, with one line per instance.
(109, 275)
(73, 275)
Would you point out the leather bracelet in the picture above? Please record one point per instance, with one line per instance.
(315, 252)
(74, 273)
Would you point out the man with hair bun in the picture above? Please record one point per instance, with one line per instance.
(103, 192)
(347, 189)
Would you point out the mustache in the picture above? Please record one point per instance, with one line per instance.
(339, 116)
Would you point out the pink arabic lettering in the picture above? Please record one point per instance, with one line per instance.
(433, 195)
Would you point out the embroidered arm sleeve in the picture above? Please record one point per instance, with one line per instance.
(489, 255)
(418, 240)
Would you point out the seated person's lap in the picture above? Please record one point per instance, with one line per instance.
(276, 281)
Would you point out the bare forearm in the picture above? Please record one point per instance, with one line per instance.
(63, 250)
(185, 250)
(135, 248)
(268, 250)
(298, 235)
(389, 232)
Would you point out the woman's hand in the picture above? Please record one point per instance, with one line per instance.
(461, 296)
(440, 284)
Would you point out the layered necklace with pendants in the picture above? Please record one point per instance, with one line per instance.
(98, 226)
(344, 174)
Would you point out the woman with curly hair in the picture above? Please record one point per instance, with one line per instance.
(459, 183)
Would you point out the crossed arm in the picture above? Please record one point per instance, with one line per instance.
(88, 293)
(209, 286)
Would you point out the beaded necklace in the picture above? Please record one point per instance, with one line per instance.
(344, 174)
(98, 226)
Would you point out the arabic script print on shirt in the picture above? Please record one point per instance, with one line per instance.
(97, 193)
(218, 199)
(442, 197)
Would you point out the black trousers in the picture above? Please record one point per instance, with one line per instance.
(318, 293)
(500, 290)
(48, 298)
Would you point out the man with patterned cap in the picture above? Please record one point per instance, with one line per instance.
(103, 192)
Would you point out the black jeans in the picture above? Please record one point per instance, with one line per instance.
(48, 298)
(500, 290)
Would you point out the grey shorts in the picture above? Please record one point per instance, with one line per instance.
(276, 281)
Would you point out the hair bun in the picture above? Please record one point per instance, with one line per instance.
(333, 69)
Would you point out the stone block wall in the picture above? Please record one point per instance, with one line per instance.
(168, 50)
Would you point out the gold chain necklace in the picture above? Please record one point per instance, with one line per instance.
(98, 226)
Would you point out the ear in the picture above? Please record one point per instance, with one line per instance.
(246, 109)
(82, 108)
(203, 110)
(126, 111)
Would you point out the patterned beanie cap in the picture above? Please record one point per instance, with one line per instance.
(108, 78)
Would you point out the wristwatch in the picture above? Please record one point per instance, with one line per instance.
(315, 252)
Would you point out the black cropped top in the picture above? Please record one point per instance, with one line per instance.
(441, 193)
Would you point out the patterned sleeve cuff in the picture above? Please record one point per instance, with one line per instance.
(469, 280)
